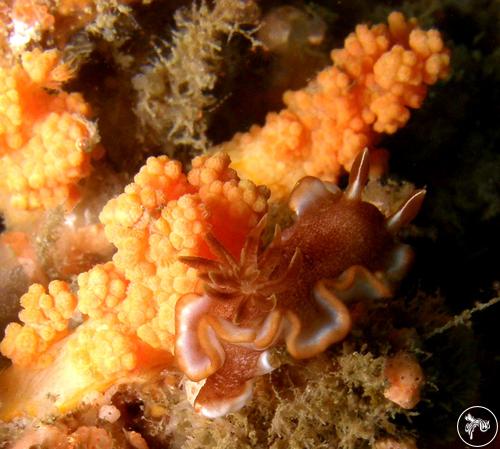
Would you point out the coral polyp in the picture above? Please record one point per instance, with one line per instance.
(296, 291)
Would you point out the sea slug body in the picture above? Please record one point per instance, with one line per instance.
(296, 291)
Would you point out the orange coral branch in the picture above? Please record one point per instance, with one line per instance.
(46, 317)
(165, 214)
(381, 73)
(127, 306)
(47, 141)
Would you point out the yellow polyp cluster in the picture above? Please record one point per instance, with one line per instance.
(381, 73)
(104, 349)
(47, 141)
(101, 290)
(181, 226)
(235, 205)
(158, 182)
(139, 307)
(46, 317)
(48, 312)
(208, 169)
(45, 68)
(22, 344)
(129, 217)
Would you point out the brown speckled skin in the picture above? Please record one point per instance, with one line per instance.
(229, 381)
(334, 235)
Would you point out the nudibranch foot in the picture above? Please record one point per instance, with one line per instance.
(211, 407)
(231, 387)
(199, 353)
(358, 283)
(329, 325)
(293, 292)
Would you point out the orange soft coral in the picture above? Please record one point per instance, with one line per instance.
(46, 317)
(165, 214)
(101, 289)
(47, 141)
(381, 73)
(128, 305)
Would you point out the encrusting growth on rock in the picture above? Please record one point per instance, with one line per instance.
(381, 73)
(405, 377)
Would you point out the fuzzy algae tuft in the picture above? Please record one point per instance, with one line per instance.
(174, 90)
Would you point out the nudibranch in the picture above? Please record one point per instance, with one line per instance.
(296, 291)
